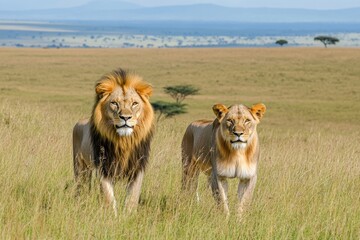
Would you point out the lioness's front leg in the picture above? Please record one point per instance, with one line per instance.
(133, 191)
(108, 190)
(190, 176)
(245, 191)
(82, 174)
(223, 193)
(219, 189)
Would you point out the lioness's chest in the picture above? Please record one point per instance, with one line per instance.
(236, 167)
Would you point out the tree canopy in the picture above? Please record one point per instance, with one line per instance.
(327, 40)
(281, 42)
(180, 92)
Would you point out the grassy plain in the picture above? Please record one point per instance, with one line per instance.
(309, 174)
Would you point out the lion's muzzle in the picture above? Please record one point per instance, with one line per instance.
(124, 130)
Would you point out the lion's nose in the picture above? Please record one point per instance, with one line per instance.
(238, 134)
(125, 118)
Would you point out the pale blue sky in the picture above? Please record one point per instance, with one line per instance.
(310, 4)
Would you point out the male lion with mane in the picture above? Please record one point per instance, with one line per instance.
(116, 139)
(227, 147)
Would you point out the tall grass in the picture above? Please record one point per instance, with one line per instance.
(308, 180)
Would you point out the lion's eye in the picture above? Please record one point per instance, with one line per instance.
(135, 104)
(114, 105)
(229, 121)
(247, 121)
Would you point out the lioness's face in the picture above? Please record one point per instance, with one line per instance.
(124, 110)
(238, 123)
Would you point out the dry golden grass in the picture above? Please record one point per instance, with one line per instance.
(309, 174)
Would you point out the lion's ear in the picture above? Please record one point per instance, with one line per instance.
(220, 110)
(144, 89)
(104, 87)
(258, 110)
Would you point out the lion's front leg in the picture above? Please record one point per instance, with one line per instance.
(245, 191)
(108, 190)
(133, 191)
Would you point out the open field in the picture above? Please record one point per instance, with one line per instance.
(309, 174)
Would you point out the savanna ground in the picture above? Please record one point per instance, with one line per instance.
(309, 173)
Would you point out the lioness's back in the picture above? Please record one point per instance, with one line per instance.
(82, 139)
(201, 130)
(79, 130)
(197, 138)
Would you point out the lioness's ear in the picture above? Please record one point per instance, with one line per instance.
(103, 87)
(258, 110)
(144, 89)
(220, 110)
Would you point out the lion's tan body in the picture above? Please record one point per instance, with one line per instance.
(227, 147)
(116, 139)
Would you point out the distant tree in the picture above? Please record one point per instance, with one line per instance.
(167, 109)
(180, 92)
(281, 42)
(326, 40)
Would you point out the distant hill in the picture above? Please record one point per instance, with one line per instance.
(113, 10)
(109, 5)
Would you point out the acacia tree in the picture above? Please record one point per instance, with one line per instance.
(327, 40)
(281, 42)
(167, 109)
(180, 92)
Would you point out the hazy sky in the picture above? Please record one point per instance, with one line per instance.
(311, 4)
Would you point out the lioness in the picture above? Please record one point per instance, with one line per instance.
(227, 147)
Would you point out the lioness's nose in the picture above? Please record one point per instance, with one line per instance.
(238, 134)
(125, 118)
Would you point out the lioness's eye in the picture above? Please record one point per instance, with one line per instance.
(247, 121)
(135, 104)
(229, 121)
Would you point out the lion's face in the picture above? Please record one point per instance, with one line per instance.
(124, 110)
(238, 123)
